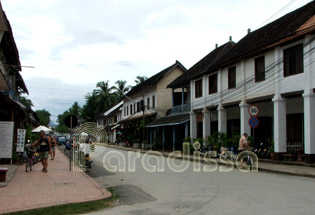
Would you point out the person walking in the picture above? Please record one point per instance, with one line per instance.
(44, 149)
(53, 148)
(243, 146)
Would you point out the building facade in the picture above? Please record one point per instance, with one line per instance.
(272, 68)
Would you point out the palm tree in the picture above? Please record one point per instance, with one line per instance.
(75, 109)
(104, 96)
(121, 88)
(140, 79)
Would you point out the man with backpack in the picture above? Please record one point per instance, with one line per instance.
(44, 144)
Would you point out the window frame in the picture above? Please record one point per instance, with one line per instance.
(148, 103)
(258, 74)
(290, 61)
(216, 84)
(230, 70)
(153, 101)
(199, 91)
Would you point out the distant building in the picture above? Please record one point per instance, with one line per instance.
(151, 99)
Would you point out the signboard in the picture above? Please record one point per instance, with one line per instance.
(71, 121)
(21, 133)
(253, 122)
(253, 110)
(6, 139)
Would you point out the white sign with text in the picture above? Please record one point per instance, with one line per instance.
(6, 139)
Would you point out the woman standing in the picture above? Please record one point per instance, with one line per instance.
(53, 147)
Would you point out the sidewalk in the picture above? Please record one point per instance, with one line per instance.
(265, 166)
(35, 189)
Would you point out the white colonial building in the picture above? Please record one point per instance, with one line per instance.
(272, 68)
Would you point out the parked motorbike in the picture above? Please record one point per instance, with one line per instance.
(88, 161)
(68, 146)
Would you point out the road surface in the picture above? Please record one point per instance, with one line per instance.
(189, 192)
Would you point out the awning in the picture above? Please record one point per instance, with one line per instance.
(169, 120)
(138, 116)
(116, 126)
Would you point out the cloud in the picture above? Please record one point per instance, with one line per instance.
(74, 44)
(55, 95)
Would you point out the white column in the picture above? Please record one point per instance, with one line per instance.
(206, 123)
(222, 119)
(245, 128)
(309, 122)
(309, 101)
(280, 122)
(193, 125)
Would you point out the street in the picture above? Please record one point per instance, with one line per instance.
(190, 192)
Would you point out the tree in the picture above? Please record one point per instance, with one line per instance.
(104, 97)
(44, 117)
(89, 110)
(121, 88)
(140, 79)
(26, 102)
(75, 109)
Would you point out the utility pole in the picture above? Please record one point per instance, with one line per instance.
(143, 118)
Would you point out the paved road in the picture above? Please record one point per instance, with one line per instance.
(192, 192)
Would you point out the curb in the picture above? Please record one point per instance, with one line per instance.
(220, 163)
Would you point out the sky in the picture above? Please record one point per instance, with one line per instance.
(73, 44)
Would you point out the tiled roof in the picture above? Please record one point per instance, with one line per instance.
(203, 65)
(289, 27)
(155, 78)
(260, 40)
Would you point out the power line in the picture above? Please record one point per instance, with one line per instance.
(278, 12)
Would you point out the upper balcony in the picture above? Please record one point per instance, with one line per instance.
(183, 108)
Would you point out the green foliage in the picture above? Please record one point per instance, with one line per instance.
(140, 79)
(75, 110)
(26, 102)
(187, 139)
(44, 117)
(271, 144)
(235, 140)
(121, 89)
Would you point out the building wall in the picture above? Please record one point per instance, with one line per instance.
(246, 88)
(137, 97)
(164, 94)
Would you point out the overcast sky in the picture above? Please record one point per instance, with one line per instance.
(74, 44)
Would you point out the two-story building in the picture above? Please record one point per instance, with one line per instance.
(272, 68)
(11, 82)
(110, 121)
(148, 101)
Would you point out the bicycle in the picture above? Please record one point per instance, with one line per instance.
(30, 158)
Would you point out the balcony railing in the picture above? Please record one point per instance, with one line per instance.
(181, 108)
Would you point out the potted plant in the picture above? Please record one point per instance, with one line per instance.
(271, 148)
(145, 145)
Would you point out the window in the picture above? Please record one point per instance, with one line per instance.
(260, 69)
(134, 107)
(213, 84)
(293, 60)
(138, 107)
(124, 111)
(153, 101)
(130, 109)
(232, 77)
(127, 110)
(198, 88)
(115, 119)
(148, 103)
